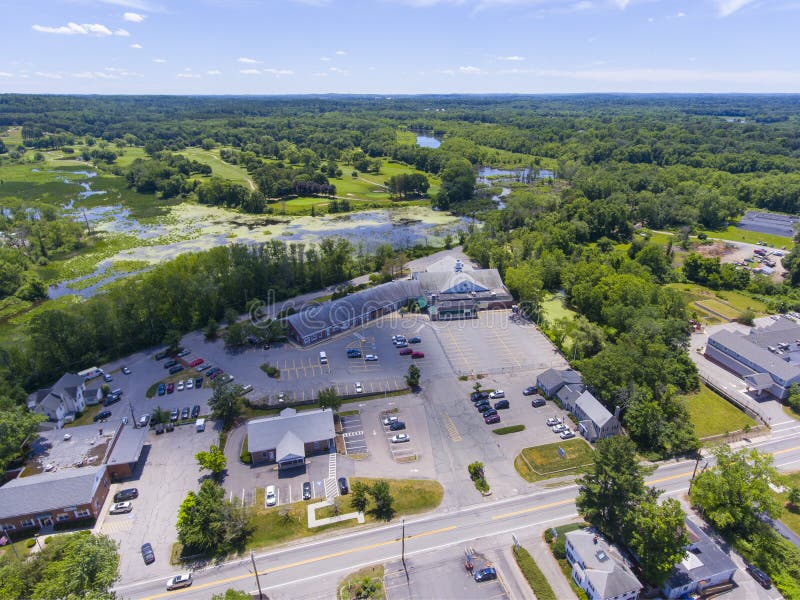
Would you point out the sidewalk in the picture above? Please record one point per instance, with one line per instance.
(540, 552)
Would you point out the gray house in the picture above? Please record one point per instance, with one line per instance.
(568, 395)
(594, 420)
(598, 568)
(291, 436)
(553, 380)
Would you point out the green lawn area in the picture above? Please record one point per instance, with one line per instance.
(750, 237)
(553, 309)
(281, 524)
(791, 514)
(350, 586)
(713, 415)
(557, 547)
(87, 417)
(544, 462)
(729, 303)
(218, 166)
(716, 307)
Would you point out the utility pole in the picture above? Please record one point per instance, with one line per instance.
(255, 570)
(10, 541)
(403, 548)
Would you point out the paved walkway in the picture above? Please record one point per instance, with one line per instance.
(540, 552)
(313, 521)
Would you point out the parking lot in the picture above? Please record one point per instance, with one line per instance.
(400, 441)
(353, 434)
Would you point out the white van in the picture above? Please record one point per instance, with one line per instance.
(200, 425)
(323, 358)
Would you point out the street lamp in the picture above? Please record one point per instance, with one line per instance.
(36, 537)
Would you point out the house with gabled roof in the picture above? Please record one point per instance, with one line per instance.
(594, 420)
(552, 380)
(290, 437)
(598, 567)
(61, 403)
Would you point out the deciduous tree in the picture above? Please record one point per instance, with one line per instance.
(212, 460)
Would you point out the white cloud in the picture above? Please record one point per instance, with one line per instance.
(511, 58)
(341, 53)
(250, 72)
(188, 75)
(136, 46)
(133, 17)
(75, 29)
(48, 75)
(313, 2)
(681, 14)
(122, 32)
(623, 4)
(469, 70)
(248, 61)
(725, 8)
(135, 4)
(338, 71)
(325, 59)
(5, 74)
(279, 72)
(214, 72)
(160, 61)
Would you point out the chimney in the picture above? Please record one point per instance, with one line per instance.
(594, 539)
(617, 410)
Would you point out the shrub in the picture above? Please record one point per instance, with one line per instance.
(548, 536)
(533, 574)
(30, 543)
(509, 429)
(271, 370)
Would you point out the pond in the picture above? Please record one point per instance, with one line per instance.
(428, 141)
(489, 175)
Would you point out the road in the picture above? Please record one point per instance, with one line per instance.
(295, 567)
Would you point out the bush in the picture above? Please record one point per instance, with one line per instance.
(533, 574)
(509, 429)
(244, 455)
(548, 536)
(559, 547)
(271, 371)
(30, 543)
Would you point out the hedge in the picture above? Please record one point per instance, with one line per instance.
(509, 429)
(536, 579)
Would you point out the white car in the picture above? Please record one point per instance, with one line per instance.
(497, 394)
(121, 507)
(389, 420)
(553, 421)
(184, 352)
(189, 384)
(272, 499)
(565, 435)
(179, 581)
(400, 438)
(559, 428)
(180, 386)
(359, 389)
(371, 357)
(202, 367)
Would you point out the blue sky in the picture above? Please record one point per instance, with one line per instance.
(398, 46)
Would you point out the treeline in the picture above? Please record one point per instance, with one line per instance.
(165, 173)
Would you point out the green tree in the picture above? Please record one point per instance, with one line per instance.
(172, 340)
(413, 375)
(657, 536)
(458, 183)
(794, 497)
(793, 400)
(211, 329)
(359, 496)
(160, 415)
(226, 403)
(384, 502)
(328, 398)
(209, 523)
(733, 492)
(17, 425)
(612, 487)
(231, 594)
(212, 460)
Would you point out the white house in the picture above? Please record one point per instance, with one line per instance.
(598, 568)
(63, 401)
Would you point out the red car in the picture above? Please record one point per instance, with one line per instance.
(417, 355)
(492, 419)
(406, 351)
(196, 362)
(170, 388)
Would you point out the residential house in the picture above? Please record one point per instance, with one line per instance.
(289, 437)
(552, 380)
(598, 568)
(594, 419)
(568, 395)
(63, 401)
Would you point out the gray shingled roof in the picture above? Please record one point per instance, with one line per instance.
(782, 330)
(308, 425)
(763, 359)
(568, 394)
(611, 576)
(68, 382)
(482, 280)
(290, 447)
(704, 560)
(337, 312)
(592, 408)
(129, 445)
(48, 491)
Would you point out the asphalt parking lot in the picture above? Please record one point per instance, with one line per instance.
(353, 434)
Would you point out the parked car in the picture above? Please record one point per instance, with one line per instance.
(126, 370)
(111, 399)
(179, 581)
(371, 357)
(529, 391)
(559, 428)
(307, 490)
(144, 420)
(126, 494)
(489, 413)
(198, 383)
(406, 352)
(189, 384)
(500, 404)
(159, 429)
(400, 438)
(162, 389)
(107, 377)
(196, 362)
(272, 499)
(185, 413)
(401, 343)
(414, 340)
(487, 574)
(120, 508)
(353, 353)
(147, 554)
(537, 402)
(553, 421)
(566, 435)
(476, 396)
(497, 394)
(161, 355)
(397, 426)
(169, 427)
(359, 389)
(389, 419)
(102, 415)
(173, 415)
(482, 406)
(170, 363)
(180, 386)
(203, 367)
(170, 387)
(417, 355)
(184, 352)
(343, 488)
(176, 369)
(762, 578)
(195, 411)
(492, 419)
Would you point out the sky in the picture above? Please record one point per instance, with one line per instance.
(398, 46)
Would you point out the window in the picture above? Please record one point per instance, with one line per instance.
(8, 527)
(62, 517)
(84, 512)
(27, 523)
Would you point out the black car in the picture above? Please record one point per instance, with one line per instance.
(185, 413)
(501, 404)
(537, 402)
(307, 491)
(126, 494)
(397, 426)
(478, 396)
(343, 488)
(176, 369)
(482, 403)
(102, 415)
(195, 411)
(486, 574)
(159, 429)
(414, 340)
(198, 382)
(111, 399)
(147, 554)
(482, 408)
(489, 413)
(353, 353)
(529, 391)
(762, 578)
(170, 363)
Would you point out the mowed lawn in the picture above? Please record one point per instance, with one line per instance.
(545, 462)
(713, 415)
(553, 309)
(735, 234)
(219, 167)
(791, 514)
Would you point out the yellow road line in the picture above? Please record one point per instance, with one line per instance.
(452, 430)
(785, 450)
(678, 476)
(532, 509)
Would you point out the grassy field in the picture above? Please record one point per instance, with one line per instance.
(218, 166)
(728, 303)
(350, 587)
(735, 234)
(791, 514)
(553, 309)
(544, 462)
(713, 415)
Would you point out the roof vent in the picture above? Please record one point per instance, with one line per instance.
(601, 556)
